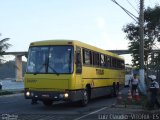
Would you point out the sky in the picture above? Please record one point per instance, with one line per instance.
(96, 22)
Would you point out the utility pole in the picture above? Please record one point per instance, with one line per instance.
(140, 20)
(141, 47)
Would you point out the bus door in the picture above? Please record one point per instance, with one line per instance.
(79, 82)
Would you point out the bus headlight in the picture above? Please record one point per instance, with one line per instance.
(27, 93)
(66, 95)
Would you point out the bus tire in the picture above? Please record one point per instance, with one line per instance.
(118, 87)
(0, 87)
(85, 98)
(47, 102)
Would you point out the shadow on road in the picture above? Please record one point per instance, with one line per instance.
(66, 106)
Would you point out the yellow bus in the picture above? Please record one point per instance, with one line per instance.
(70, 70)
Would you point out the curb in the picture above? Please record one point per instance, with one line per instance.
(129, 106)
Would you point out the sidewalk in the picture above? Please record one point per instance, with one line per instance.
(133, 104)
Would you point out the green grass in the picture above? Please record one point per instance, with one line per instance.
(3, 92)
(8, 92)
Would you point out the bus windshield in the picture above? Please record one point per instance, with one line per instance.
(50, 59)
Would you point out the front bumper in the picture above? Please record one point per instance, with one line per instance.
(53, 95)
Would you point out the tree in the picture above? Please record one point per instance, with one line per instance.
(3, 47)
(151, 35)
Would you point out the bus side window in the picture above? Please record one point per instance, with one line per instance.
(78, 60)
(102, 60)
(108, 61)
(96, 59)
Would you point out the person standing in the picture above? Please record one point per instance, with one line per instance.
(134, 84)
(153, 88)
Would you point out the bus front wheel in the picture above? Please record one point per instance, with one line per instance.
(85, 98)
(47, 102)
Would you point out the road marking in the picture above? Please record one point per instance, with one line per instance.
(91, 113)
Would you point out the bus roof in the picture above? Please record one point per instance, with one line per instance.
(74, 42)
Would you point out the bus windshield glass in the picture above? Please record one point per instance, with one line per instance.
(50, 59)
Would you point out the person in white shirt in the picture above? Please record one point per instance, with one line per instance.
(134, 83)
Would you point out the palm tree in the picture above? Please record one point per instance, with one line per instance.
(3, 47)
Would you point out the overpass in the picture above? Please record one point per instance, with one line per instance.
(18, 59)
(24, 53)
(120, 52)
(18, 62)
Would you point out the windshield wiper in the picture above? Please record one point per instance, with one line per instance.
(53, 70)
(35, 73)
(38, 71)
(46, 65)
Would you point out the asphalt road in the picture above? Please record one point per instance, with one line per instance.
(17, 106)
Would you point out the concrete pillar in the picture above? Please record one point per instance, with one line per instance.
(19, 68)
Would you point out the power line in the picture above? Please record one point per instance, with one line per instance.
(132, 6)
(125, 10)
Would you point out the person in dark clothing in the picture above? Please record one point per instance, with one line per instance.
(153, 88)
(0, 85)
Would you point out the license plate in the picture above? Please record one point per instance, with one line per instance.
(45, 95)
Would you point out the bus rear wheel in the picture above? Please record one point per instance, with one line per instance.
(47, 102)
(85, 98)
